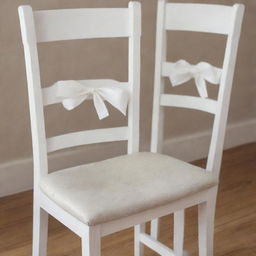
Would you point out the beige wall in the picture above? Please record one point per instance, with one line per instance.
(107, 59)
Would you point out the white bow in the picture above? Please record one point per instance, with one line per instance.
(182, 71)
(73, 93)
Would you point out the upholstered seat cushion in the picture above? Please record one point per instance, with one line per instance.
(118, 187)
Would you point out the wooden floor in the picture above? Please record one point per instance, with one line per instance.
(235, 226)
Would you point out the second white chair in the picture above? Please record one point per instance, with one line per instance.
(217, 19)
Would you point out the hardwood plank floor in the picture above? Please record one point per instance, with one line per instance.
(235, 226)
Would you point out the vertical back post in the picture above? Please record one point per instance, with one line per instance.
(220, 121)
(158, 111)
(34, 93)
(160, 57)
(134, 77)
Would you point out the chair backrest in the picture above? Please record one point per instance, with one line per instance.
(56, 25)
(217, 19)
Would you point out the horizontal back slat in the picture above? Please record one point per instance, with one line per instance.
(49, 93)
(199, 18)
(57, 25)
(171, 100)
(87, 137)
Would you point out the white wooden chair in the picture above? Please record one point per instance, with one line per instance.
(104, 197)
(217, 19)
(56, 25)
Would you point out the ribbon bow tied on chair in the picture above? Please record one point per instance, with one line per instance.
(182, 71)
(73, 93)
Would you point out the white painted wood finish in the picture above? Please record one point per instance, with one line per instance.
(199, 18)
(40, 218)
(91, 244)
(160, 56)
(206, 213)
(181, 101)
(87, 137)
(134, 78)
(40, 228)
(56, 25)
(178, 232)
(156, 246)
(138, 246)
(220, 121)
(154, 230)
(207, 18)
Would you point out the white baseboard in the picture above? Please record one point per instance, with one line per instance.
(195, 146)
(17, 176)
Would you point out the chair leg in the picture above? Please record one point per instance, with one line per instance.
(154, 229)
(91, 242)
(40, 231)
(178, 232)
(206, 214)
(138, 246)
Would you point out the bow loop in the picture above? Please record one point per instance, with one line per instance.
(181, 72)
(73, 93)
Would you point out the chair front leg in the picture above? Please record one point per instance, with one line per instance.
(91, 242)
(138, 246)
(40, 231)
(206, 214)
(178, 232)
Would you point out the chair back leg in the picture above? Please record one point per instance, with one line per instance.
(40, 231)
(206, 214)
(154, 228)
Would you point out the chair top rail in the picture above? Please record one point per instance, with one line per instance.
(65, 24)
(49, 93)
(190, 102)
(87, 137)
(199, 18)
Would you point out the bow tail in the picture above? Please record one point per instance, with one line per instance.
(201, 87)
(118, 98)
(100, 106)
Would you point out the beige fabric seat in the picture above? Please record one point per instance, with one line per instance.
(118, 187)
